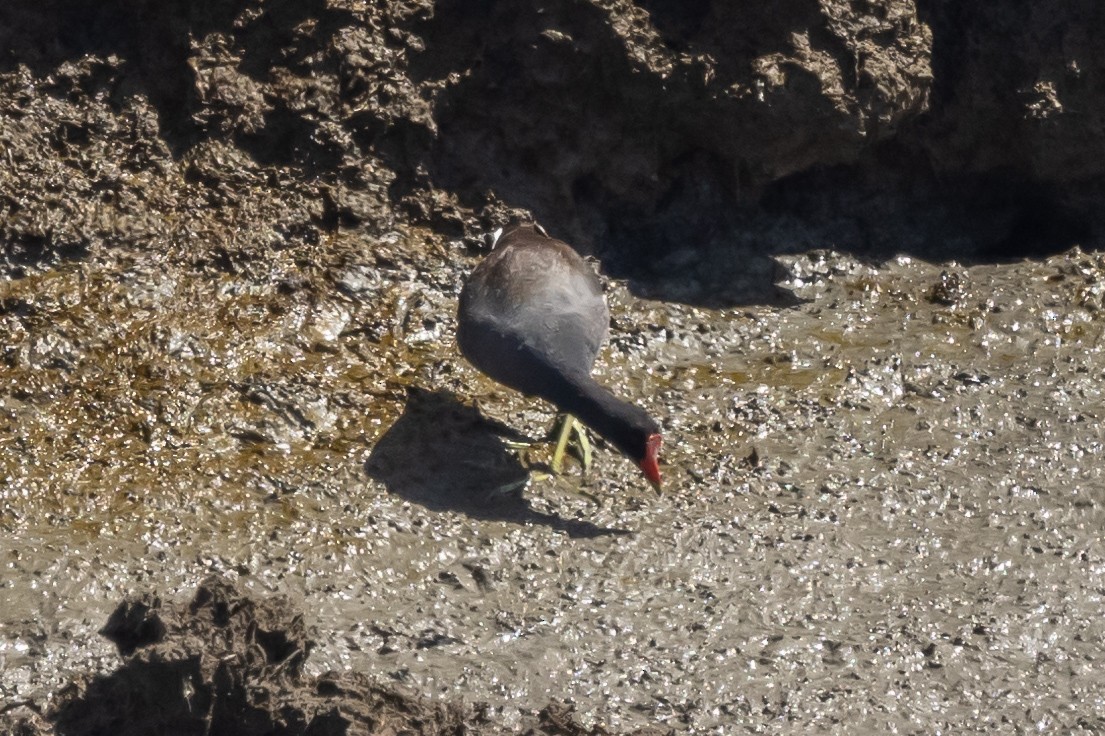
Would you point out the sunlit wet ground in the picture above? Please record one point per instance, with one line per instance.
(882, 512)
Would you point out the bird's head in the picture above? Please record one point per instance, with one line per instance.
(629, 428)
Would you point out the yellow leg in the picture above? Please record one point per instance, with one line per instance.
(568, 426)
(583, 444)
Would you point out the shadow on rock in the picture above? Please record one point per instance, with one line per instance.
(446, 456)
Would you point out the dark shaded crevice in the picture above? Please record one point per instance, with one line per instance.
(300, 29)
(823, 39)
(702, 247)
(1042, 223)
(27, 251)
(948, 48)
(678, 21)
(732, 36)
(455, 37)
(879, 211)
(289, 137)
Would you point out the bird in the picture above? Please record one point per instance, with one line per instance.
(532, 316)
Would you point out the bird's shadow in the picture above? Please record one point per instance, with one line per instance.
(446, 456)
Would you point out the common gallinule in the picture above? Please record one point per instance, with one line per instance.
(532, 316)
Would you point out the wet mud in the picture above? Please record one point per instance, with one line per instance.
(232, 237)
(882, 506)
(227, 664)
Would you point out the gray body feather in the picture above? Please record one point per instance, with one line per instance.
(533, 305)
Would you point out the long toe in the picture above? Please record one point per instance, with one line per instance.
(562, 436)
(582, 444)
(508, 489)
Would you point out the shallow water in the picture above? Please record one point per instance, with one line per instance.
(882, 507)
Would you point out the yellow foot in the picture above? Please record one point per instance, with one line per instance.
(569, 426)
